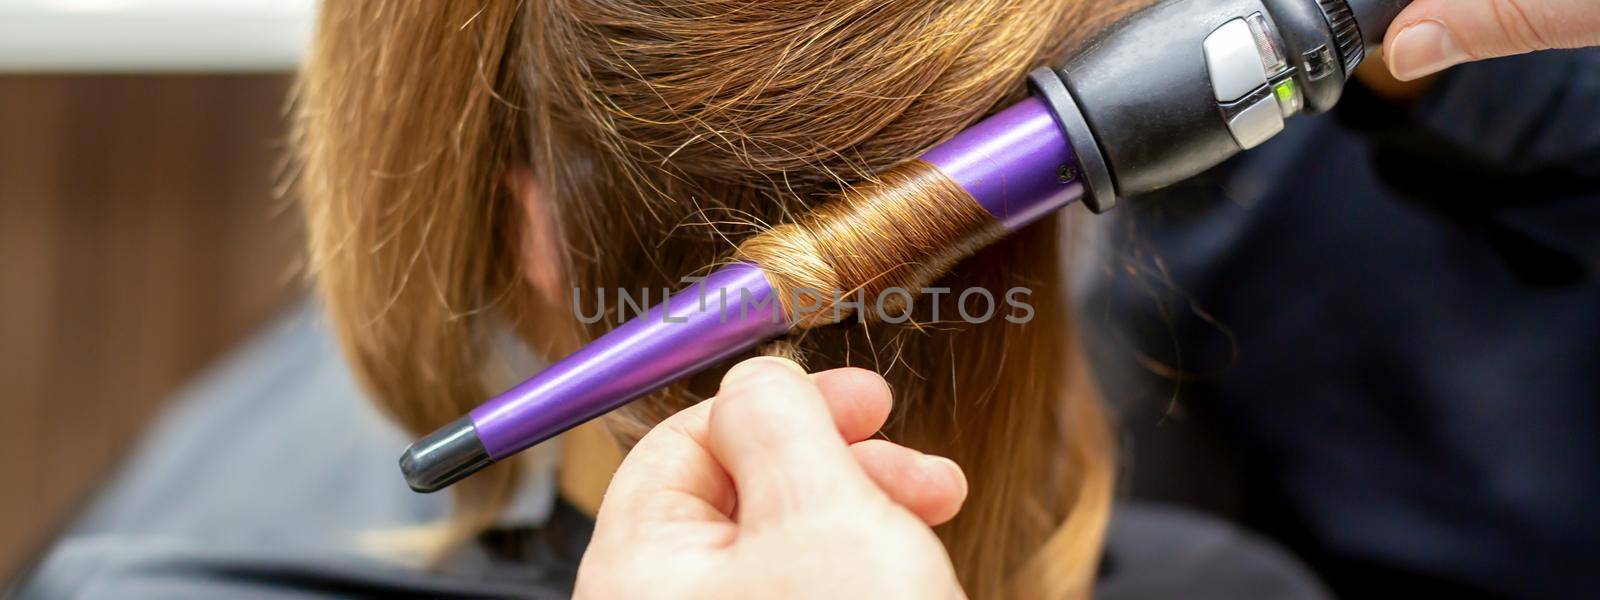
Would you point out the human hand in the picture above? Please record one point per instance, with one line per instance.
(1431, 35)
(774, 489)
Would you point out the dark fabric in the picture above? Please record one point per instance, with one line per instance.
(524, 562)
(1153, 553)
(544, 555)
(1391, 318)
(1161, 552)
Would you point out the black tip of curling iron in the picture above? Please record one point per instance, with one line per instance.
(444, 457)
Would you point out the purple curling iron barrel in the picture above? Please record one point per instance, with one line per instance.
(1168, 92)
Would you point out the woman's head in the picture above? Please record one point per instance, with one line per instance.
(466, 166)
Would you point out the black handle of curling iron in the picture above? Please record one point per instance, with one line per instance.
(1168, 93)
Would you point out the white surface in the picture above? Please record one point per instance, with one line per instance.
(1257, 124)
(1232, 59)
(153, 35)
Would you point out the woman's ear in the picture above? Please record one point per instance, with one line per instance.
(541, 236)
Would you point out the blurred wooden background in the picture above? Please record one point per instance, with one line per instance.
(140, 237)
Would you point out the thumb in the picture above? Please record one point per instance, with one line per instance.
(1430, 35)
(771, 430)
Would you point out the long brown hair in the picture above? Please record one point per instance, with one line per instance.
(660, 135)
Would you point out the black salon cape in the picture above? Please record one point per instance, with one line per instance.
(265, 475)
(1388, 320)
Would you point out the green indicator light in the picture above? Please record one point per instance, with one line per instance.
(1288, 97)
(1286, 92)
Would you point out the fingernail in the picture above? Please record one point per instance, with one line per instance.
(950, 468)
(1424, 48)
(756, 365)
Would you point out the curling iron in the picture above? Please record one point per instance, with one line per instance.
(1168, 92)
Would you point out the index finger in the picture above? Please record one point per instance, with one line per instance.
(672, 475)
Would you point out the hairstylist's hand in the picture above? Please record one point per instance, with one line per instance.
(1431, 35)
(773, 489)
